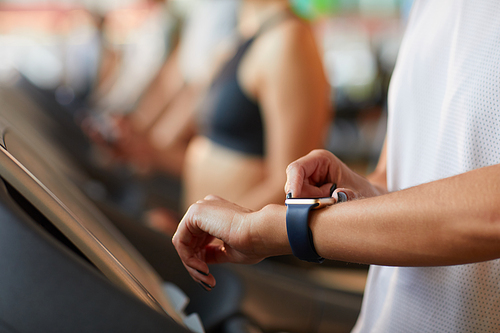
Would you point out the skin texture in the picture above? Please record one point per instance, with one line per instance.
(445, 222)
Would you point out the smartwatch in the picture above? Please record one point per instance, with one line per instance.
(297, 225)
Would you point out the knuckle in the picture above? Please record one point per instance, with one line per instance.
(317, 152)
(194, 209)
(212, 197)
(322, 152)
(292, 167)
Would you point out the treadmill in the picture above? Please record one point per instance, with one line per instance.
(63, 266)
(68, 265)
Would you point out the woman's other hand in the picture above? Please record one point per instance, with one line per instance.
(217, 231)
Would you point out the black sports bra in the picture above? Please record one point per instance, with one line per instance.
(230, 117)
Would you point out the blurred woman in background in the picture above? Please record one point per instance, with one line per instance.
(266, 106)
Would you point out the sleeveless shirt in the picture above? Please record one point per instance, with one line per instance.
(230, 117)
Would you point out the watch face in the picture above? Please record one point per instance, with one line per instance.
(317, 202)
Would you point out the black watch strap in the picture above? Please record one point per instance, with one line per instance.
(299, 234)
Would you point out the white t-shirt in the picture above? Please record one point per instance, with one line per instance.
(444, 119)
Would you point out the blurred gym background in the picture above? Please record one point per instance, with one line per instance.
(63, 47)
(62, 60)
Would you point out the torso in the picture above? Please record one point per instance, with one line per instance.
(230, 116)
(213, 168)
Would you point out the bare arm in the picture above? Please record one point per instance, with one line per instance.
(162, 90)
(293, 94)
(155, 135)
(451, 221)
(437, 223)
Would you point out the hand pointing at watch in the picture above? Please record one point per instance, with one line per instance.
(313, 176)
(249, 236)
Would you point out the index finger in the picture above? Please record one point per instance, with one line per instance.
(310, 173)
(188, 250)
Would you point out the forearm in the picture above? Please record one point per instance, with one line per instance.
(178, 122)
(161, 91)
(171, 159)
(450, 221)
(152, 105)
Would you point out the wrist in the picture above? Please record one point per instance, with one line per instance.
(270, 230)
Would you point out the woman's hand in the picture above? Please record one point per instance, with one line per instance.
(133, 146)
(217, 231)
(122, 142)
(314, 175)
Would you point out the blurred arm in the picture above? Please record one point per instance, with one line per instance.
(294, 97)
(162, 90)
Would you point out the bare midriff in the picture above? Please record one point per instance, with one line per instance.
(213, 169)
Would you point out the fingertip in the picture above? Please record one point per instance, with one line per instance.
(206, 280)
(206, 284)
(202, 273)
(203, 287)
(333, 188)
